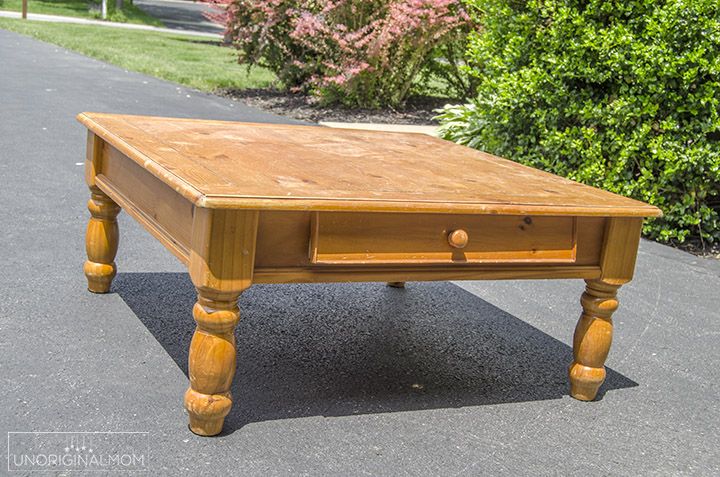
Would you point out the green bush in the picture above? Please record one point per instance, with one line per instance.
(622, 95)
(448, 70)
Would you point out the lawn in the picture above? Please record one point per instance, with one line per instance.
(196, 62)
(82, 8)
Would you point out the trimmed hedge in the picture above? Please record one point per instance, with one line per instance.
(622, 95)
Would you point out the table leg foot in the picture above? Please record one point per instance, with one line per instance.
(211, 365)
(101, 242)
(396, 284)
(207, 412)
(592, 339)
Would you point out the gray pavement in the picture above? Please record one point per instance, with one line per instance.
(357, 379)
(39, 17)
(181, 14)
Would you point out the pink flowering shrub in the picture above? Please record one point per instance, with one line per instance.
(360, 52)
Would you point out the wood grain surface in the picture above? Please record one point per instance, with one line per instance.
(219, 164)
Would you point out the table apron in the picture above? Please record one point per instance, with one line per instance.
(163, 212)
(307, 246)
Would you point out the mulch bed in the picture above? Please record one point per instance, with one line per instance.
(417, 110)
(701, 249)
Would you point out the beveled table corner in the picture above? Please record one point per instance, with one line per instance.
(242, 203)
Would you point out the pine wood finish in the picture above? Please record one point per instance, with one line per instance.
(102, 236)
(242, 203)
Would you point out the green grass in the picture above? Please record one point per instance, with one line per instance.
(81, 8)
(196, 62)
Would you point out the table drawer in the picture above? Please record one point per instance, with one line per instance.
(389, 238)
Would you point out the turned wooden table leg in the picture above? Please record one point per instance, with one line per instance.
(592, 339)
(101, 241)
(221, 265)
(211, 365)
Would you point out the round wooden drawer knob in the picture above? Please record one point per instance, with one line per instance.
(458, 238)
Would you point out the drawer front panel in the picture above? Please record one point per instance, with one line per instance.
(378, 238)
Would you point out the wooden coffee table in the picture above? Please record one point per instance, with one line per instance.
(242, 203)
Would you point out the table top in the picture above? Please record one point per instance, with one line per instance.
(223, 164)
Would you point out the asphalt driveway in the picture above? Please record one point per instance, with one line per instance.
(181, 14)
(357, 379)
